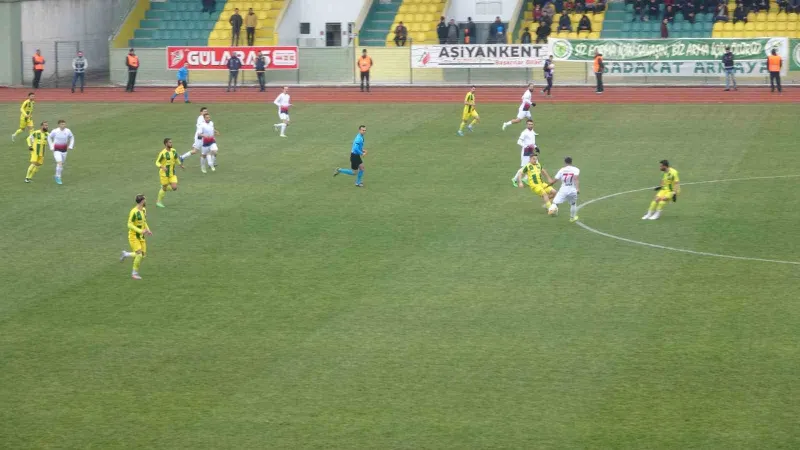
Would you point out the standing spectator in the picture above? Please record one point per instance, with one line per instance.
(669, 14)
(526, 36)
(251, 23)
(652, 10)
(739, 14)
(598, 67)
(38, 68)
(537, 13)
(727, 63)
(722, 13)
(548, 75)
(638, 10)
(364, 64)
(132, 61)
(183, 81)
(688, 10)
(79, 70)
(441, 31)
(261, 67)
(565, 23)
(494, 30)
(664, 29)
(774, 64)
(234, 64)
(400, 35)
(542, 32)
(585, 24)
(210, 6)
(470, 31)
(236, 27)
(452, 32)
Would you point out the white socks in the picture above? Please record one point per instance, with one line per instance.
(211, 158)
(186, 155)
(507, 123)
(573, 210)
(128, 254)
(203, 162)
(59, 169)
(283, 129)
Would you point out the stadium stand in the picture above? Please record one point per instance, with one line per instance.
(526, 20)
(175, 22)
(762, 24)
(419, 16)
(267, 12)
(620, 24)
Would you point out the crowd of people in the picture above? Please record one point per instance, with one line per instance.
(544, 14)
(450, 32)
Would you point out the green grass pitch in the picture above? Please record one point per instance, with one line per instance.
(438, 307)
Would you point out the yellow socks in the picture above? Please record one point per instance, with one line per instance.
(161, 194)
(474, 122)
(21, 130)
(549, 204)
(137, 261)
(653, 206)
(461, 128)
(661, 205)
(31, 171)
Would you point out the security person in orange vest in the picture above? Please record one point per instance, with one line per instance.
(38, 68)
(364, 64)
(598, 67)
(774, 64)
(132, 61)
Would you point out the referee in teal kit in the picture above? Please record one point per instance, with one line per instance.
(356, 153)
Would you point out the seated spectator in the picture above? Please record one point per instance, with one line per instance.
(209, 6)
(638, 9)
(794, 6)
(688, 11)
(549, 9)
(652, 10)
(761, 5)
(584, 24)
(739, 14)
(589, 5)
(559, 5)
(542, 32)
(600, 6)
(722, 13)
(569, 6)
(670, 3)
(580, 6)
(782, 5)
(669, 14)
(526, 36)
(564, 23)
(537, 13)
(400, 35)
(664, 29)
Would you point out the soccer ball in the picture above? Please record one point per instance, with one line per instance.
(553, 211)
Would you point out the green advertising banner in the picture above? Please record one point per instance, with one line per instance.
(647, 50)
(794, 64)
(755, 68)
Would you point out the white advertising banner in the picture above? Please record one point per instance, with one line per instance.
(464, 56)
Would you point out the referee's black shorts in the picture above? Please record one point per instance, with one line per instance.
(183, 82)
(355, 161)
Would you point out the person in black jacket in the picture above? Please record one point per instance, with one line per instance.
(234, 64)
(236, 26)
(727, 63)
(542, 32)
(470, 32)
(441, 31)
(260, 69)
(526, 36)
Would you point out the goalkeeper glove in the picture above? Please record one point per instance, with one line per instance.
(30, 148)
(536, 149)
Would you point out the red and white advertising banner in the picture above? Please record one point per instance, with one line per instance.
(216, 58)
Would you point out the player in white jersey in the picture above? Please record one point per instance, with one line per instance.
(208, 150)
(283, 103)
(60, 140)
(570, 187)
(524, 108)
(527, 143)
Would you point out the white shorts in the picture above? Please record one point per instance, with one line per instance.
(284, 116)
(210, 148)
(524, 160)
(523, 114)
(60, 157)
(198, 144)
(569, 195)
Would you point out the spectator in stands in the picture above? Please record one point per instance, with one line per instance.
(722, 13)
(470, 32)
(452, 32)
(728, 65)
(585, 24)
(590, 4)
(441, 31)
(761, 5)
(599, 6)
(494, 30)
(783, 5)
(549, 10)
(400, 35)
(537, 13)
(236, 27)
(251, 23)
(739, 14)
(638, 10)
(79, 68)
(652, 10)
(234, 64)
(210, 6)
(669, 14)
(580, 6)
(794, 6)
(542, 32)
(526, 36)
(688, 11)
(664, 29)
(38, 68)
(565, 23)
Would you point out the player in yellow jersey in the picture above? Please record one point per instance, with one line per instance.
(137, 230)
(166, 162)
(37, 143)
(469, 112)
(666, 191)
(25, 116)
(533, 173)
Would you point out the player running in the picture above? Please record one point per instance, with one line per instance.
(533, 172)
(37, 143)
(524, 107)
(356, 152)
(208, 150)
(166, 161)
(137, 230)
(197, 145)
(61, 139)
(470, 112)
(527, 143)
(666, 191)
(283, 102)
(569, 190)
(25, 116)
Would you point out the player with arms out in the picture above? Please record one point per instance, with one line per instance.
(25, 116)
(470, 112)
(166, 161)
(208, 152)
(356, 152)
(137, 230)
(37, 143)
(61, 139)
(283, 102)
(527, 143)
(666, 191)
(569, 190)
(524, 111)
(533, 172)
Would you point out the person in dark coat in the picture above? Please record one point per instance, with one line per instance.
(234, 64)
(261, 66)
(236, 26)
(565, 23)
(441, 31)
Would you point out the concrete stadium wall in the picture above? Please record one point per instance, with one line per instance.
(481, 10)
(10, 37)
(317, 13)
